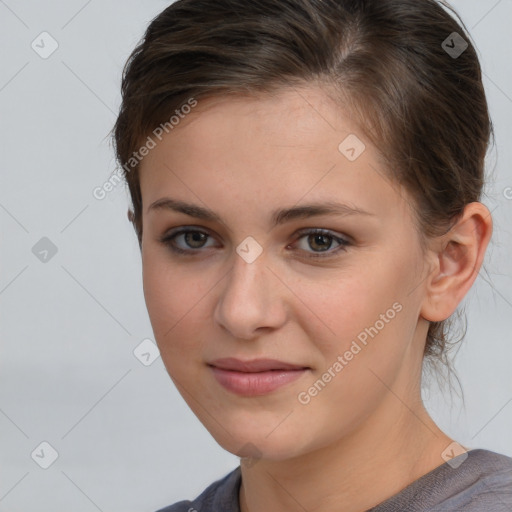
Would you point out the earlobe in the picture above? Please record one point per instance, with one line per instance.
(459, 257)
(130, 215)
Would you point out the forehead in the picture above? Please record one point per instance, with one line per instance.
(287, 114)
(292, 146)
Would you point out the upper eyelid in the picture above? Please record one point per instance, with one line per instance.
(172, 233)
(322, 231)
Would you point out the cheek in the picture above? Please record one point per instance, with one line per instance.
(357, 373)
(173, 301)
(364, 316)
(349, 304)
(372, 328)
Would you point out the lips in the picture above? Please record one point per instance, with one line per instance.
(255, 377)
(254, 365)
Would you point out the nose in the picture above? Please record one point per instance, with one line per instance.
(252, 299)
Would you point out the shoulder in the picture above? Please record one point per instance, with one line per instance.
(220, 495)
(473, 481)
(483, 481)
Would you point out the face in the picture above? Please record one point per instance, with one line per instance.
(256, 268)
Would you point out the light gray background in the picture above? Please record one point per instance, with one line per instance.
(126, 440)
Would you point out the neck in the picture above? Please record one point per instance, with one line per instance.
(398, 444)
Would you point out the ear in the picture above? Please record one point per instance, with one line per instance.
(457, 258)
(131, 218)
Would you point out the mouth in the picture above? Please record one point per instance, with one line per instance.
(255, 377)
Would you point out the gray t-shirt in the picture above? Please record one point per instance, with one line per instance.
(482, 482)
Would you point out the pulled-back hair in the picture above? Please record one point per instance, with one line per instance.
(400, 66)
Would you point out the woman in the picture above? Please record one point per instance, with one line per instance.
(305, 178)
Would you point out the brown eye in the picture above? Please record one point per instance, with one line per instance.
(191, 240)
(321, 241)
(195, 239)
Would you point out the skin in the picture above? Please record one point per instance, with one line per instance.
(366, 435)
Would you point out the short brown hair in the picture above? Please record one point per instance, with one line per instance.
(422, 105)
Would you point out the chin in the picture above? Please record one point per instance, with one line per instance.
(255, 443)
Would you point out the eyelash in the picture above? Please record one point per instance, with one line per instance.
(168, 241)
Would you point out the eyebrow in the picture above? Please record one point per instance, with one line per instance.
(278, 217)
